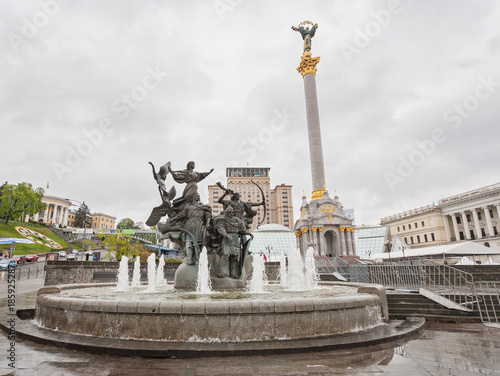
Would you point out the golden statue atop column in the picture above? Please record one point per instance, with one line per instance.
(307, 62)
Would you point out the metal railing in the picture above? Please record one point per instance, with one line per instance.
(450, 283)
(404, 275)
(27, 272)
(488, 302)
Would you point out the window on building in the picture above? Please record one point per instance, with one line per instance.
(479, 216)
(462, 237)
(468, 217)
(458, 220)
(406, 240)
(423, 224)
(491, 213)
(432, 236)
(398, 228)
(483, 233)
(411, 239)
(409, 226)
(495, 232)
(418, 238)
(404, 227)
(425, 238)
(416, 225)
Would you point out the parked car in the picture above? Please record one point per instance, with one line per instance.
(72, 256)
(32, 258)
(62, 253)
(6, 263)
(21, 259)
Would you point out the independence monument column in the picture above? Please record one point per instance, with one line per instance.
(307, 68)
(323, 224)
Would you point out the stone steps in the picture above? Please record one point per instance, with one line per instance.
(402, 305)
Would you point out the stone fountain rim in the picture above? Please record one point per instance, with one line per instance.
(49, 296)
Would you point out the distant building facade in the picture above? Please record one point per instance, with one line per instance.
(102, 221)
(98, 221)
(279, 205)
(56, 211)
(421, 227)
(472, 215)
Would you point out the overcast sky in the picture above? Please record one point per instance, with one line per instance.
(91, 91)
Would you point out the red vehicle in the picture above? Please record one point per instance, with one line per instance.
(21, 259)
(32, 258)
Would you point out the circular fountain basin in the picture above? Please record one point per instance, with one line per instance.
(98, 310)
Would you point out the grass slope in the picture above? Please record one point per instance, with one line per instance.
(9, 231)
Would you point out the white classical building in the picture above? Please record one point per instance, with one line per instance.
(473, 215)
(469, 216)
(55, 213)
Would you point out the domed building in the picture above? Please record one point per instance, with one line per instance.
(272, 239)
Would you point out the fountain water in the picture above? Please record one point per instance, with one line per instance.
(203, 285)
(311, 276)
(259, 278)
(152, 272)
(136, 277)
(122, 283)
(296, 280)
(283, 271)
(160, 279)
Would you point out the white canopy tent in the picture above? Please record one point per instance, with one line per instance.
(449, 250)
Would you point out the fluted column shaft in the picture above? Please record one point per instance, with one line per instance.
(476, 224)
(455, 226)
(314, 132)
(447, 228)
(488, 220)
(466, 226)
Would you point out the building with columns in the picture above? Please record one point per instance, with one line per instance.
(469, 216)
(323, 224)
(473, 215)
(56, 211)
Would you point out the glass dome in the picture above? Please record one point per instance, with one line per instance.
(272, 239)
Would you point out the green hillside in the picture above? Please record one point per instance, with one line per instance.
(9, 231)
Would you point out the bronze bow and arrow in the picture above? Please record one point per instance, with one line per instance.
(263, 203)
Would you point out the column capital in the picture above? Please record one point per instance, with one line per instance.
(342, 229)
(298, 233)
(314, 229)
(307, 64)
(304, 230)
(320, 228)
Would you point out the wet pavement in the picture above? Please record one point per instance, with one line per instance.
(442, 349)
